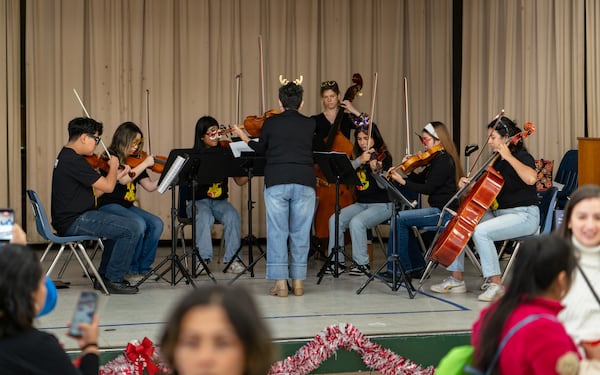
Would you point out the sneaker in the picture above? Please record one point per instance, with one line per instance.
(359, 270)
(450, 285)
(114, 287)
(134, 278)
(492, 292)
(236, 267)
(341, 268)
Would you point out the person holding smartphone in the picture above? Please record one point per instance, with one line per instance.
(23, 348)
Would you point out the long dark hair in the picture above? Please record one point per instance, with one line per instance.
(378, 142)
(243, 314)
(20, 274)
(202, 126)
(123, 138)
(507, 128)
(584, 192)
(537, 265)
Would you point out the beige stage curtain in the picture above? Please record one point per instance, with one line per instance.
(10, 111)
(182, 58)
(593, 62)
(525, 56)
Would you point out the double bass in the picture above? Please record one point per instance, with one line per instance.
(335, 141)
(486, 187)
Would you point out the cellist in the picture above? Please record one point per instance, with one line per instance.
(515, 215)
(334, 125)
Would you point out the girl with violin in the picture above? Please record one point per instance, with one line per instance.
(127, 141)
(211, 202)
(334, 125)
(439, 180)
(515, 215)
(372, 204)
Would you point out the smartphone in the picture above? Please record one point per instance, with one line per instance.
(84, 311)
(7, 220)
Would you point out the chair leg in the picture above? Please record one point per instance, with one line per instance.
(473, 259)
(60, 251)
(46, 251)
(511, 261)
(87, 259)
(380, 240)
(64, 266)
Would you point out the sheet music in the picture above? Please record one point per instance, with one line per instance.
(240, 146)
(171, 173)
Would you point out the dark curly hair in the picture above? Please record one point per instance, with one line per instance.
(290, 95)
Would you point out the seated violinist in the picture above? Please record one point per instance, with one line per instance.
(211, 203)
(438, 180)
(515, 215)
(75, 187)
(127, 142)
(372, 204)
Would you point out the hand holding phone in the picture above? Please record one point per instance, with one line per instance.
(84, 312)
(7, 220)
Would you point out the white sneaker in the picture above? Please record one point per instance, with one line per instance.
(492, 292)
(236, 267)
(450, 285)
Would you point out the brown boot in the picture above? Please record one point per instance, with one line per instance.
(298, 287)
(280, 289)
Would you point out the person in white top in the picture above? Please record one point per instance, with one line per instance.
(581, 316)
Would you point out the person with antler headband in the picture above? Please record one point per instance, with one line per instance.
(287, 143)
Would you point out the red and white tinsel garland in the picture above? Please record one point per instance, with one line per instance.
(143, 355)
(309, 357)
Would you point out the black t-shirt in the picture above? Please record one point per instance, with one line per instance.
(369, 191)
(323, 127)
(124, 195)
(515, 192)
(39, 353)
(72, 192)
(287, 143)
(217, 190)
(437, 181)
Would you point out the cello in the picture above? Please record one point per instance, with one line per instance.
(487, 184)
(335, 141)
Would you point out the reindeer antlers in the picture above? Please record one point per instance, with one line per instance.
(285, 81)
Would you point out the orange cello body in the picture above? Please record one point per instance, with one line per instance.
(460, 228)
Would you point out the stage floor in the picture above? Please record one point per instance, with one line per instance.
(377, 311)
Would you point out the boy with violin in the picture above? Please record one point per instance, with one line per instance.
(438, 180)
(127, 141)
(75, 189)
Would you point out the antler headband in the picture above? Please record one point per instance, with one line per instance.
(285, 81)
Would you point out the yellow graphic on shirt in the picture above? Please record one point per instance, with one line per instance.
(215, 190)
(362, 176)
(130, 194)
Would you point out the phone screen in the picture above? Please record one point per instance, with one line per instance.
(84, 312)
(7, 220)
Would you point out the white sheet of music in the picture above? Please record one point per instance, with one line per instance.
(240, 146)
(171, 173)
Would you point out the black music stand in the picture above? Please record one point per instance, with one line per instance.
(337, 169)
(178, 165)
(397, 199)
(253, 165)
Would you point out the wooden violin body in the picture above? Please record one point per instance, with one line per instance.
(460, 228)
(420, 160)
(254, 124)
(159, 161)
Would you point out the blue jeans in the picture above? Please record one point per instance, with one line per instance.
(499, 225)
(406, 242)
(122, 235)
(152, 227)
(209, 210)
(290, 210)
(358, 217)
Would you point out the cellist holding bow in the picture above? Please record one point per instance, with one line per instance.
(515, 215)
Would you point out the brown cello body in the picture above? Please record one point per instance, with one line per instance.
(460, 228)
(326, 191)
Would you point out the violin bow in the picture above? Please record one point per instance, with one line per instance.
(406, 111)
(238, 79)
(261, 73)
(148, 121)
(372, 113)
(496, 119)
(88, 116)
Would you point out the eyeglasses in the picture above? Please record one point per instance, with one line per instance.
(137, 143)
(328, 84)
(96, 138)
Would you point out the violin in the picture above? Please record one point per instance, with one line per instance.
(136, 159)
(100, 163)
(419, 160)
